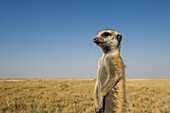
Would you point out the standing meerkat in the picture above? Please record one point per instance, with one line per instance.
(110, 88)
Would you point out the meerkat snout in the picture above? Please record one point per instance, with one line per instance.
(95, 39)
(98, 40)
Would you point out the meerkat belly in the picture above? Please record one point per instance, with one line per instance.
(102, 75)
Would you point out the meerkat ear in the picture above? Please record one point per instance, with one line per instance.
(119, 37)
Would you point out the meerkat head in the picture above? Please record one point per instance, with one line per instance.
(108, 40)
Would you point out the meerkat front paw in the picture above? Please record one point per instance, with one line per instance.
(100, 106)
(99, 109)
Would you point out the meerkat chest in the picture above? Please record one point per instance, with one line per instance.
(102, 71)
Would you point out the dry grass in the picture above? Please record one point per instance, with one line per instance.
(76, 96)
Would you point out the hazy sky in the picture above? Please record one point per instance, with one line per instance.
(53, 38)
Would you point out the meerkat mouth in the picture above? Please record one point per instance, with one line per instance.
(100, 43)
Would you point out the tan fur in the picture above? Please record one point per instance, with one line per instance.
(116, 98)
(110, 87)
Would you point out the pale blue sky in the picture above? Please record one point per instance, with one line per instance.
(53, 38)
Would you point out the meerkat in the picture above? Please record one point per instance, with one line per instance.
(110, 88)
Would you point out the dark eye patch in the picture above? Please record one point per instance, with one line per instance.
(106, 34)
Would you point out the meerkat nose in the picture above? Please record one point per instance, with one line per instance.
(95, 39)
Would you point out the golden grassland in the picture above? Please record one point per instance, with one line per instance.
(76, 96)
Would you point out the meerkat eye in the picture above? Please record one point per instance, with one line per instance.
(106, 34)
